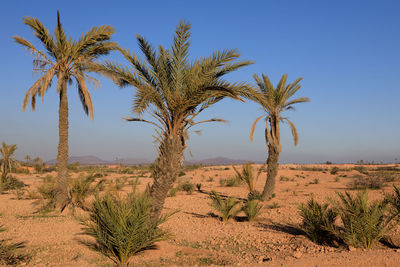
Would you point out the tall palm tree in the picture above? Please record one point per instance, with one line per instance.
(8, 162)
(174, 91)
(275, 101)
(67, 60)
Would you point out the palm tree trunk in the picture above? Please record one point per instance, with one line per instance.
(62, 154)
(272, 171)
(166, 169)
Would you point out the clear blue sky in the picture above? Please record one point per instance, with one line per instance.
(347, 51)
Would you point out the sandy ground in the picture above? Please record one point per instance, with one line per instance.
(198, 237)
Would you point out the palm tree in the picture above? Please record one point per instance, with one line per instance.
(27, 158)
(275, 101)
(8, 162)
(67, 60)
(174, 91)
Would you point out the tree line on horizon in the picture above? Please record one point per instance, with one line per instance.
(169, 87)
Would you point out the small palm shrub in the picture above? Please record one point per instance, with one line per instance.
(123, 227)
(227, 208)
(246, 175)
(364, 223)
(254, 195)
(48, 192)
(318, 221)
(119, 183)
(81, 188)
(9, 252)
(252, 209)
(394, 201)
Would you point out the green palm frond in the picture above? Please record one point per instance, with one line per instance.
(170, 86)
(68, 59)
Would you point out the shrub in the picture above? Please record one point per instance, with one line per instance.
(252, 209)
(12, 183)
(284, 178)
(364, 223)
(188, 187)
(334, 170)
(246, 175)
(254, 195)
(119, 183)
(123, 227)
(172, 192)
(366, 182)
(394, 201)
(9, 252)
(81, 187)
(231, 182)
(48, 191)
(317, 221)
(227, 208)
(181, 173)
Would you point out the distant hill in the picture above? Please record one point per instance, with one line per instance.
(216, 161)
(93, 160)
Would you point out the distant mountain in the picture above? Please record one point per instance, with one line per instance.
(93, 160)
(216, 161)
(132, 161)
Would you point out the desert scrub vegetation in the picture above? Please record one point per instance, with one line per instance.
(361, 223)
(317, 221)
(226, 208)
(252, 209)
(122, 227)
(230, 182)
(247, 176)
(10, 252)
(364, 223)
(81, 188)
(373, 179)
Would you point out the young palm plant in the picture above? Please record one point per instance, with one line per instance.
(248, 177)
(174, 91)
(252, 209)
(275, 101)
(81, 188)
(8, 162)
(67, 60)
(227, 208)
(318, 221)
(364, 223)
(123, 227)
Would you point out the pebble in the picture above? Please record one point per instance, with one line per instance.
(297, 254)
(352, 248)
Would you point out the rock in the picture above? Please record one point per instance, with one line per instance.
(297, 254)
(352, 248)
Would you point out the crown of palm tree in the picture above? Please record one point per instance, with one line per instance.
(174, 89)
(65, 59)
(276, 100)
